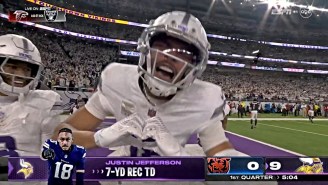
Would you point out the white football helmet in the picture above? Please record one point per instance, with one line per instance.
(182, 26)
(18, 48)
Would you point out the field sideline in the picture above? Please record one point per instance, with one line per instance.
(294, 134)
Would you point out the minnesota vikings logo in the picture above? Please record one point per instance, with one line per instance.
(310, 166)
(27, 168)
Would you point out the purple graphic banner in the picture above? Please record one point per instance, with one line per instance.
(115, 168)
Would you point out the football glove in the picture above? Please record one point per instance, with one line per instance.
(48, 154)
(128, 131)
(157, 138)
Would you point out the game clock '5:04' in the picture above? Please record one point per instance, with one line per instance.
(289, 177)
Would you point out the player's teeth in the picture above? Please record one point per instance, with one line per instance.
(166, 69)
(18, 82)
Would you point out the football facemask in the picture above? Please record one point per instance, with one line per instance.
(186, 28)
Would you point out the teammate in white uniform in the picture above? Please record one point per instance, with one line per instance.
(159, 103)
(225, 120)
(27, 116)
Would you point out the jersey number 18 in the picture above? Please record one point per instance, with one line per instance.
(63, 170)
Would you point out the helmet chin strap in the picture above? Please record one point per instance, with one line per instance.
(158, 88)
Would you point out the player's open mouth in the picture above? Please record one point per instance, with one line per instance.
(165, 72)
(19, 82)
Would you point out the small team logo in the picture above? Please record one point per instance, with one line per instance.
(218, 165)
(20, 14)
(183, 28)
(26, 168)
(51, 15)
(310, 166)
(152, 113)
(305, 12)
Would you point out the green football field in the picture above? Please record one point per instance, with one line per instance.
(299, 136)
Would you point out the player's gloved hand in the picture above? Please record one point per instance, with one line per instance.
(128, 131)
(157, 138)
(48, 154)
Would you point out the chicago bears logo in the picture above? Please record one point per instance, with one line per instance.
(218, 165)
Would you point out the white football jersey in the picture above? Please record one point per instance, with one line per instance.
(27, 121)
(192, 110)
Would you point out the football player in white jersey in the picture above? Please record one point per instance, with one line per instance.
(160, 103)
(28, 117)
(225, 120)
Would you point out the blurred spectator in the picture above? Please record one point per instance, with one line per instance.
(326, 110)
(75, 63)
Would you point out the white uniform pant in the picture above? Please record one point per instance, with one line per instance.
(311, 113)
(254, 114)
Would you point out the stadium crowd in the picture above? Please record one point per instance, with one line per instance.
(77, 63)
(242, 108)
(264, 85)
(268, 64)
(124, 32)
(222, 27)
(242, 26)
(68, 62)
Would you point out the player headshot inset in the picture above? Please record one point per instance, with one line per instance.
(65, 139)
(63, 156)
